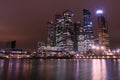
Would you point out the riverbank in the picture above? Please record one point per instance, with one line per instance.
(70, 56)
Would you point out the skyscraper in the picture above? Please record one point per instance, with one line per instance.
(64, 29)
(88, 26)
(69, 36)
(103, 30)
(51, 34)
(86, 37)
(79, 37)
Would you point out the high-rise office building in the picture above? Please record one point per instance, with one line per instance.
(51, 38)
(64, 29)
(75, 35)
(68, 36)
(80, 37)
(86, 37)
(103, 30)
(88, 26)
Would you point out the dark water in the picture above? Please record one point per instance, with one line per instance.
(60, 69)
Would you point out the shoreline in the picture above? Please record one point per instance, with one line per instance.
(63, 57)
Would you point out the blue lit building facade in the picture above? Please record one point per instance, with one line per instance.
(86, 37)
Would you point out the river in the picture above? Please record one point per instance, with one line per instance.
(60, 69)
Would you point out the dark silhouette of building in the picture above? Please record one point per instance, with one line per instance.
(11, 44)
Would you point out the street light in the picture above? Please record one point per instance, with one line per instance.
(102, 47)
(93, 46)
(97, 48)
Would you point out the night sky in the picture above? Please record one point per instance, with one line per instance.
(26, 20)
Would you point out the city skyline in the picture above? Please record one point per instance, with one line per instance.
(26, 21)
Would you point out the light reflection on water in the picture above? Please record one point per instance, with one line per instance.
(60, 69)
(98, 69)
